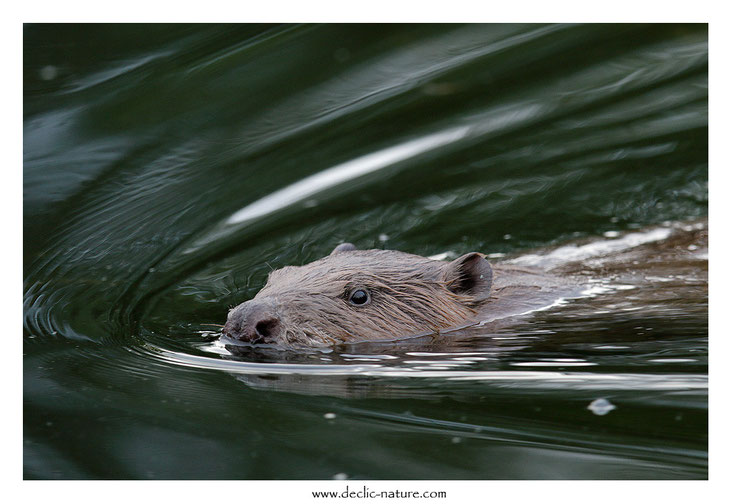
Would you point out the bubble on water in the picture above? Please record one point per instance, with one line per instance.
(383, 237)
(340, 476)
(601, 406)
(329, 416)
(48, 72)
(611, 234)
(456, 440)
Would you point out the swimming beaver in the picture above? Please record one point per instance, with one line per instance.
(366, 295)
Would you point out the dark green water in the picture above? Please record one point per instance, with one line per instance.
(167, 169)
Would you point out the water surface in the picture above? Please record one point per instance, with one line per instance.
(168, 169)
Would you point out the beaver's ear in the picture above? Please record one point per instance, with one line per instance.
(343, 247)
(470, 274)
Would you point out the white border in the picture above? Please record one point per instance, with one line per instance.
(377, 11)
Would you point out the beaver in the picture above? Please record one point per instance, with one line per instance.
(356, 295)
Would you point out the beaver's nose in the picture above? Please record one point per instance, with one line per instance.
(254, 322)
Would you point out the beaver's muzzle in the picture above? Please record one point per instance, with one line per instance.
(254, 322)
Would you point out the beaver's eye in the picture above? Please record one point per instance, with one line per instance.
(359, 297)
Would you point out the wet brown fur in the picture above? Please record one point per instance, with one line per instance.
(409, 294)
(310, 305)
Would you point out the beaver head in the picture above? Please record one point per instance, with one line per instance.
(362, 295)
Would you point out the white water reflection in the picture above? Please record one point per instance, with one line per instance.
(533, 379)
(309, 186)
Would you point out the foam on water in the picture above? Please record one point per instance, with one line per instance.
(573, 253)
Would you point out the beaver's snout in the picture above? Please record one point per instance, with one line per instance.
(253, 322)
